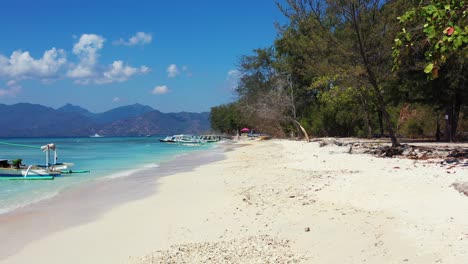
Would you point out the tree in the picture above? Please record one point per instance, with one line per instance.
(433, 39)
(265, 95)
(227, 118)
(343, 37)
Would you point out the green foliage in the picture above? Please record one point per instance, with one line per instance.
(338, 113)
(413, 129)
(227, 118)
(439, 29)
(16, 163)
(330, 69)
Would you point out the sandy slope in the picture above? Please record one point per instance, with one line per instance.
(258, 205)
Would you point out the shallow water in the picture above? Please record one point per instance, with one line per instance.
(107, 158)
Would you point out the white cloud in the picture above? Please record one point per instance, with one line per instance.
(140, 38)
(85, 69)
(88, 45)
(12, 90)
(118, 72)
(233, 74)
(163, 89)
(116, 99)
(21, 64)
(87, 49)
(88, 71)
(172, 71)
(81, 71)
(232, 79)
(144, 69)
(186, 70)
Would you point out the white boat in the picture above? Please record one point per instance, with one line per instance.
(210, 138)
(22, 172)
(183, 140)
(96, 136)
(190, 140)
(15, 170)
(168, 139)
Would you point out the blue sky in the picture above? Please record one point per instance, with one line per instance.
(171, 55)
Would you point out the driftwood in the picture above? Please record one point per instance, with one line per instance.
(449, 156)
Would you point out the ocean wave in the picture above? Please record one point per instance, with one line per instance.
(152, 165)
(4, 209)
(121, 174)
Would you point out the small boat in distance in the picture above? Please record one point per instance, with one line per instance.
(96, 136)
(210, 138)
(182, 139)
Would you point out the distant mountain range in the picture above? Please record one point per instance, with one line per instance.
(33, 120)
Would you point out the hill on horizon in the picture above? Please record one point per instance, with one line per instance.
(34, 120)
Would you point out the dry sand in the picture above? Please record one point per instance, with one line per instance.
(279, 202)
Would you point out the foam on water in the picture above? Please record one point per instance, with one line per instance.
(152, 165)
(122, 174)
(19, 203)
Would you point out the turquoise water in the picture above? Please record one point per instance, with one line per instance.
(106, 158)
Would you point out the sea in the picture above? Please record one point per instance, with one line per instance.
(106, 158)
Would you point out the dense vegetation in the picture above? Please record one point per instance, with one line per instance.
(357, 68)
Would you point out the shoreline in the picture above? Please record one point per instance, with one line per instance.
(277, 201)
(85, 203)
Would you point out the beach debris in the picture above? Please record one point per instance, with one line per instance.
(462, 187)
(284, 190)
(440, 153)
(253, 249)
(307, 229)
(327, 141)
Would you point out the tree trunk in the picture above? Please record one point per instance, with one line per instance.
(448, 123)
(365, 107)
(302, 128)
(386, 117)
(452, 113)
(368, 124)
(437, 134)
(456, 115)
(372, 78)
(381, 123)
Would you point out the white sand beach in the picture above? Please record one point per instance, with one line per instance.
(278, 202)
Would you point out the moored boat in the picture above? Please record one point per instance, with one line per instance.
(210, 138)
(10, 171)
(183, 140)
(169, 139)
(15, 170)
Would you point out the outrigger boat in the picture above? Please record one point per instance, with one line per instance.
(15, 170)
